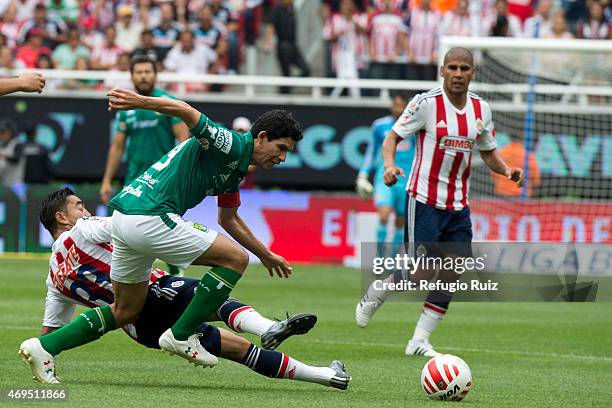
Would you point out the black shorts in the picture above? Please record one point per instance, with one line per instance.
(167, 299)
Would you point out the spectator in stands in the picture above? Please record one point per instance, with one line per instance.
(283, 24)
(81, 64)
(559, 28)
(7, 60)
(45, 62)
(118, 76)
(459, 22)
(148, 49)
(168, 31)
(128, 31)
(346, 32)
(205, 30)
(148, 14)
(10, 172)
(423, 23)
(65, 10)
(387, 37)
(229, 21)
(183, 14)
(187, 57)
(105, 57)
(53, 29)
(65, 55)
(25, 9)
(540, 25)
(9, 26)
(595, 26)
(28, 54)
(90, 37)
(523, 9)
(512, 22)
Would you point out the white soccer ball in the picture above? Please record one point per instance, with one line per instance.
(446, 377)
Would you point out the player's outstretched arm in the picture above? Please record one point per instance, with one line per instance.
(25, 83)
(124, 99)
(495, 162)
(240, 231)
(388, 150)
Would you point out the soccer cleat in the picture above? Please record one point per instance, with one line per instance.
(300, 323)
(41, 362)
(420, 348)
(190, 349)
(365, 310)
(341, 378)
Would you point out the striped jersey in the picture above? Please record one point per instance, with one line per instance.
(445, 137)
(373, 156)
(79, 270)
(423, 39)
(385, 29)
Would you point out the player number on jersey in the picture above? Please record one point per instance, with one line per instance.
(165, 161)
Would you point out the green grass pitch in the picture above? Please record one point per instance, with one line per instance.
(521, 354)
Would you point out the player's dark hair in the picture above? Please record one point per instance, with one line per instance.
(278, 123)
(51, 204)
(142, 59)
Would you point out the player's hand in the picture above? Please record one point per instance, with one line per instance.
(516, 174)
(32, 82)
(277, 264)
(106, 192)
(363, 186)
(391, 173)
(124, 99)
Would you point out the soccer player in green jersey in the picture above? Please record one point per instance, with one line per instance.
(148, 135)
(147, 223)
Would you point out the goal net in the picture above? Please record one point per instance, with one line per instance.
(552, 108)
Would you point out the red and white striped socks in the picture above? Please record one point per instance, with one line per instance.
(428, 322)
(243, 318)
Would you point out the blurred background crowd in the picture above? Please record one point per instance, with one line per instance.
(388, 39)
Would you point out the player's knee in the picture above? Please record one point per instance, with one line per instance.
(124, 315)
(241, 260)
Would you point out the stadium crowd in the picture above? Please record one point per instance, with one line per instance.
(391, 39)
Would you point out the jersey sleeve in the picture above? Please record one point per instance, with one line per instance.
(97, 229)
(486, 139)
(229, 200)
(413, 118)
(218, 139)
(58, 308)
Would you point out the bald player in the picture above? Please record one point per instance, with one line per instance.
(447, 123)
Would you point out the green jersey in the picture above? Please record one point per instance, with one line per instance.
(149, 136)
(210, 163)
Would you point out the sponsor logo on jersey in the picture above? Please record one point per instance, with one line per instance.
(456, 143)
(441, 124)
(223, 138)
(177, 284)
(479, 126)
(132, 191)
(232, 165)
(147, 180)
(145, 124)
(200, 227)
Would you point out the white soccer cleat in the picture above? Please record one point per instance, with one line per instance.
(42, 363)
(420, 348)
(190, 349)
(365, 310)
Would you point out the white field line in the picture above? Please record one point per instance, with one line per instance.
(476, 350)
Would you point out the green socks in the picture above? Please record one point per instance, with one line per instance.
(87, 327)
(212, 291)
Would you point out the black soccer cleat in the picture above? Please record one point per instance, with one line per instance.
(341, 379)
(300, 323)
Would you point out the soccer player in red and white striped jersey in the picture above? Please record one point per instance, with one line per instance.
(448, 122)
(423, 42)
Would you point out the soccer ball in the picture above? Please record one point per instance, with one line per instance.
(446, 377)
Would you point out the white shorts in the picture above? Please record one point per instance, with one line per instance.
(140, 239)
